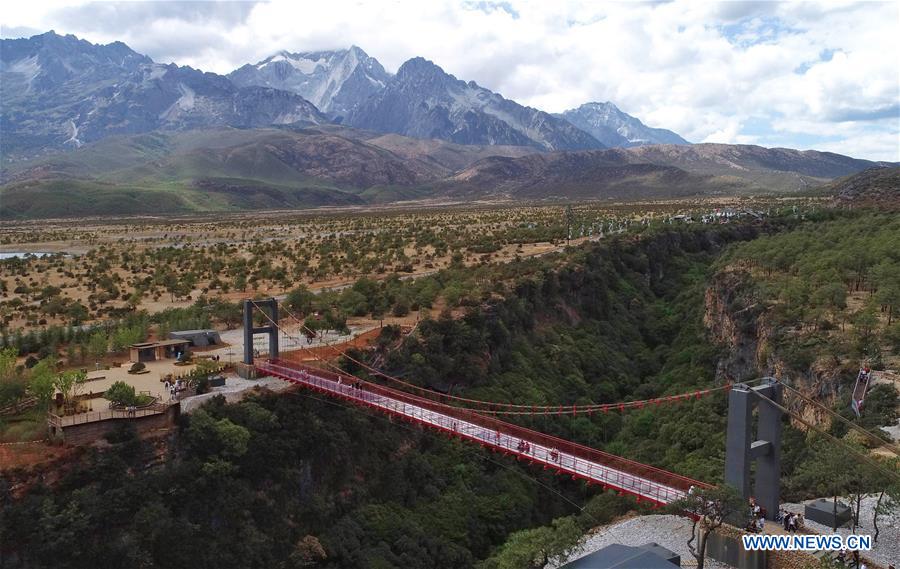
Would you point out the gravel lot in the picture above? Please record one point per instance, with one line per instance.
(672, 533)
(886, 550)
(234, 390)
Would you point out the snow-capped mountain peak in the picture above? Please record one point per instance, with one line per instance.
(334, 81)
(612, 127)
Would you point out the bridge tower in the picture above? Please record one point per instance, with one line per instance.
(741, 450)
(250, 330)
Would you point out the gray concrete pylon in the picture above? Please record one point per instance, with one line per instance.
(271, 329)
(743, 449)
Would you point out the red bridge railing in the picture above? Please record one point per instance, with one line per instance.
(565, 457)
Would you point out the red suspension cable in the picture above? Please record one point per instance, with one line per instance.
(500, 408)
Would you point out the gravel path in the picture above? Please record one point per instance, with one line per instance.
(671, 532)
(886, 550)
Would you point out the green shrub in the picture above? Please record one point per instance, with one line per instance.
(121, 393)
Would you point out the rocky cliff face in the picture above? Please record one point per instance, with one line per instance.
(736, 321)
(739, 322)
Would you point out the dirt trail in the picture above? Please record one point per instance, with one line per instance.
(24, 455)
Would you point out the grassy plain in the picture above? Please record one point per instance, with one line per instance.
(111, 266)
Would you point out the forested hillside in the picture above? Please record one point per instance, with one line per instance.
(815, 304)
(616, 322)
(811, 306)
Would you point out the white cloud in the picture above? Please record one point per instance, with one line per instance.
(710, 71)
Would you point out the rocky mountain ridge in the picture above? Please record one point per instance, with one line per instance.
(666, 169)
(877, 187)
(423, 101)
(373, 167)
(61, 92)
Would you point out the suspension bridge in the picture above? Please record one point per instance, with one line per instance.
(477, 421)
(480, 426)
(564, 457)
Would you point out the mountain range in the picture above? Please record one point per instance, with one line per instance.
(423, 101)
(873, 188)
(60, 92)
(648, 171)
(101, 129)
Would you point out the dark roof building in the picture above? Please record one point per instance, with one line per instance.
(197, 338)
(618, 556)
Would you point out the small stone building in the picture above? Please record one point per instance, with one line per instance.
(161, 350)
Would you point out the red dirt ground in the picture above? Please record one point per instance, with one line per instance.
(364, 340)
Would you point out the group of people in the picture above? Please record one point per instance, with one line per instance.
(845, 558)
(790, 521)
(864, 372)
(525, 446)
(174, 387)
(757, 522)
(353, 384)
(858, 398)
(793, 522)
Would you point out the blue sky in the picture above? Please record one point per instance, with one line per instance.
(824, 76)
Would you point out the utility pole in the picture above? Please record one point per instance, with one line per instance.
(570, 217)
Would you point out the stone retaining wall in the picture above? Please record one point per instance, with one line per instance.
(87, 433)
